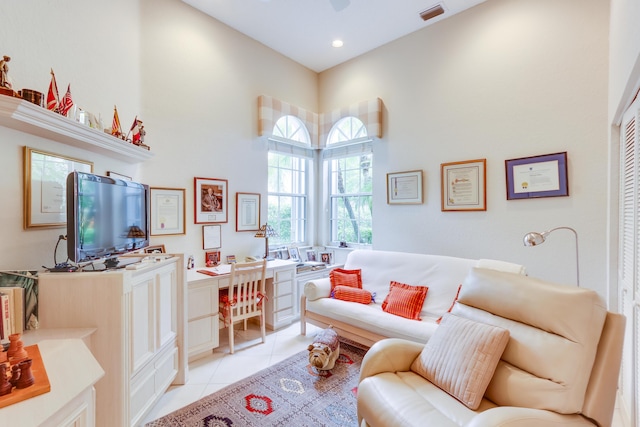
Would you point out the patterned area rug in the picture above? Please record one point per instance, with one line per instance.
(289, 393)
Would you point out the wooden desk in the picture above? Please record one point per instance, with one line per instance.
(202, 302)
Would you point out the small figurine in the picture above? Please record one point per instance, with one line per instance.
(4, 72)
(5, 386)
(26, 376)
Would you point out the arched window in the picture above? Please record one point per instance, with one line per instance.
(349, 166)
(288, 180)
(291, 128)
(347, 129)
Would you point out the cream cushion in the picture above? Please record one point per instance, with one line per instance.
(461, 358)
(554, 334)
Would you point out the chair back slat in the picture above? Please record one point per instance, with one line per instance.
(247, 288)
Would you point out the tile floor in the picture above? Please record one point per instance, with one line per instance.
(219, 369)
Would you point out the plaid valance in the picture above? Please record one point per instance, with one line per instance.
(318, 125)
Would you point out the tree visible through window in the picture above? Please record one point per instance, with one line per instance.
(350, 176)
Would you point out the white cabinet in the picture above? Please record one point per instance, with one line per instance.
(281, 296)
(202, 312)
(139, 339)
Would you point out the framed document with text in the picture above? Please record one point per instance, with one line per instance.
(167, 211)
(464, 185)
(404, 188)
(247, 211)
(537, 176)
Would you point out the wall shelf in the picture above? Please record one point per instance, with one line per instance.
(24, 116)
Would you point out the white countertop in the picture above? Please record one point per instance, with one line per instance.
(71, 369)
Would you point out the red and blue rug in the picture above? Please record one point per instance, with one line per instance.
(289, 393)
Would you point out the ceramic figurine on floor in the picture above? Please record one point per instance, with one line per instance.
(4, 72)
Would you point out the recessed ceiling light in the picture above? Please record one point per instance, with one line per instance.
(337, 43)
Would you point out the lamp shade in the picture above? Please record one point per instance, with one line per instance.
(266, 231)
(534, 239)
(135, 231)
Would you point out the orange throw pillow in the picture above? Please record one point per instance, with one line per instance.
(405, 300)
(351, 294)
(342, 277)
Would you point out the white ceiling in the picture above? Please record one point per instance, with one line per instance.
(304, 29)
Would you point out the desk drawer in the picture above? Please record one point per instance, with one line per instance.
(283, 302)
(283, 288)
(203, 333)
(281, 276)
(202, 302)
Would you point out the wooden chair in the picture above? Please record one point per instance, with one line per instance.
(245, 296)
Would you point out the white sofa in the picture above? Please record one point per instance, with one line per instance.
(368, 324)
(560, 366)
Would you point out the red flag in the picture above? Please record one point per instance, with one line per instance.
(52, 95)
(66, 103)
(115, 126)
(135, 136)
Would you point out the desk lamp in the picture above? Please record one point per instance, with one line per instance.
(135, 233)
(265, 232)
(534, 239)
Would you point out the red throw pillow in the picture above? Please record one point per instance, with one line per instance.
(405, 300)
(452, 304)
(342, 277)
(349, 293)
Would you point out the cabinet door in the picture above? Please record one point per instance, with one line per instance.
(142, 312)
(166, 325)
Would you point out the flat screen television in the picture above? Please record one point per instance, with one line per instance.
(106, 217)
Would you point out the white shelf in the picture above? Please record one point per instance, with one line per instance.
(26, 117)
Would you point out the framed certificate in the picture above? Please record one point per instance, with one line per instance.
(167, 211)
(537, 176)
(464, 185)
(404, 188)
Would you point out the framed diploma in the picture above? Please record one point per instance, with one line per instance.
(167, 211)
(211, 238)
(537, 176)
(464, 185)
(247, 211)
(45, 187)
(404, 188)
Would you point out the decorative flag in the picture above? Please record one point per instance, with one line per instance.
(52, 95)
(135, 137)
(66, 102)
(116, 130)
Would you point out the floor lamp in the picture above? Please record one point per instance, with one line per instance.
(534, 239)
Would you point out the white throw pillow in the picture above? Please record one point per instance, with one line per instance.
(461, 357)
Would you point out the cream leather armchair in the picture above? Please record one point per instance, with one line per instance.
(560, 366)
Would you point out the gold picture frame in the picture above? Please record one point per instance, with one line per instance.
(168, 211)
(464, 185)
(45, 187)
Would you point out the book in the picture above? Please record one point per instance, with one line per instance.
(16, 307)
(5, 318)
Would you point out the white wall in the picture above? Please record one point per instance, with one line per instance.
(193, 81)
(94, 46)
(503, 80)
(506, 79)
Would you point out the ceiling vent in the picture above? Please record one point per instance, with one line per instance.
(432, 12)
